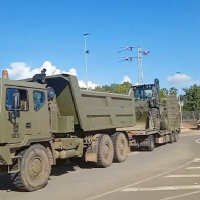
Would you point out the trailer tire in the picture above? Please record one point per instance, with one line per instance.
(155, 118)
(171, 137)
(120, 144)
(164, 121)
(105, 151)
(151, 142)
(175, 137)
(35, 169)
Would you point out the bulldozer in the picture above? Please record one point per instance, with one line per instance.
(151, 112)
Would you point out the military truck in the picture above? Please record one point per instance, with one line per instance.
(156, 122)
(47, 119)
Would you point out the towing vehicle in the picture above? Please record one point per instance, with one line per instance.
(47, 119)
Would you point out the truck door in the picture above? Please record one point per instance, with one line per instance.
(17, 127)
(40, 114)
(33, 120)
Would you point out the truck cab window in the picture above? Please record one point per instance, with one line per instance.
(38, 99)
(24, 106)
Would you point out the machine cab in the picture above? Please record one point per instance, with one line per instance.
(143, 92)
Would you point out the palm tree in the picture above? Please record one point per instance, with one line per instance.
(173, 91)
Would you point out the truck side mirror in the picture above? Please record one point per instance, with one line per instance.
(16, 104)
(16, 100)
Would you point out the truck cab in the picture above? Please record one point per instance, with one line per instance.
(23, 115)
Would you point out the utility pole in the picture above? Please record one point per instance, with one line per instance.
(179, 100)
(86, 59)
(140, 53)
(140, 67)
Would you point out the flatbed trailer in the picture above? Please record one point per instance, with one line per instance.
(149, 139)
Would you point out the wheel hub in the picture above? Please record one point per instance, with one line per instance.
(106, 150)
(122, 147)
(36, 167)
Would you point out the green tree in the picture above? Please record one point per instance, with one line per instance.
(191, 98)
(163, 94)
(115, 88)
(173, 91)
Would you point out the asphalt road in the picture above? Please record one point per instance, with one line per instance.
(171, 171)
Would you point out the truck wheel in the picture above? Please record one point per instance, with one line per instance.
(105, 151)
(151, 143)
(164, 121)
(171, 137)
(34, 169)
(156, 118)
(175, 137)
(120, 144)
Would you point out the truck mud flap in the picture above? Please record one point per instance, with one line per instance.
(92, 150)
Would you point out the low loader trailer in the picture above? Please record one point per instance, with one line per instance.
(157, 120)
(45, 120)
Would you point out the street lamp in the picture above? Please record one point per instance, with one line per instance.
(179, 99)
(86, 62)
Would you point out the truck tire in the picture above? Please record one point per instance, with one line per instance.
(105, 151)
(120, 144)
(151, 142)
(164, 121)
(171, 137)
(35, 169)
(155, 118)
(175, 137)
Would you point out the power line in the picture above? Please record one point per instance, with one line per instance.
(140, 53)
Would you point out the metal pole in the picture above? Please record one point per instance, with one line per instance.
(179, 99)
(86, 61)
(140, 69)
(86, 65)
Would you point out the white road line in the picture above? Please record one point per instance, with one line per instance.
(197, 160)
(182, 195)
(165, 188)
(198, 140)
(142, 181)
(184, 176)
(193, 168)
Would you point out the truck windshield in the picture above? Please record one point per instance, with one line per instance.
(142, 92)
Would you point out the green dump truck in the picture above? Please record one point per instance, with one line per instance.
(45, 120)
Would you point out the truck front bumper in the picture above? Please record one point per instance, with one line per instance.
(5, 155)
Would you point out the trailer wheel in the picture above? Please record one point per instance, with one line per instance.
(171, 137)
(120, 144)
(164, 121)
(35, 169)
(156, 118)
(175, 137)
(151, 143)
(105, 151)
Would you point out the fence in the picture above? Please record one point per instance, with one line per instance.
(191, 117)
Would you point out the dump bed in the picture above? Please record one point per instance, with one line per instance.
(92, 110)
